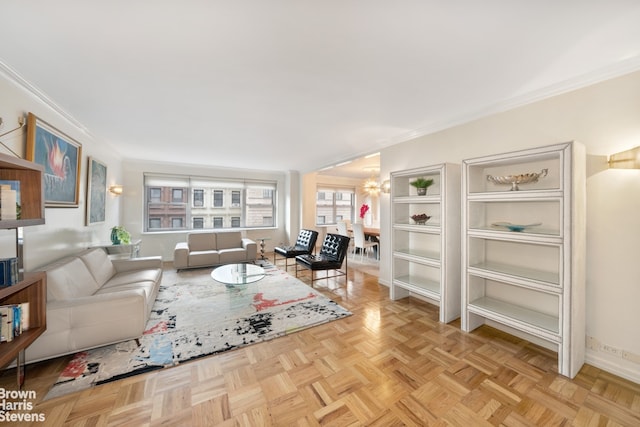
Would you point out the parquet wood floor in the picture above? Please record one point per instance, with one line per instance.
(390, 364)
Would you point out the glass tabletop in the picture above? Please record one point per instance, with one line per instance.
(237, 274)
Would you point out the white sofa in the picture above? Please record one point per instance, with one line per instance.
(210, 248)
(94, 301)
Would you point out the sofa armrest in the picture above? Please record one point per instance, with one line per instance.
(181, 255)
(131, 264)
(251, 247)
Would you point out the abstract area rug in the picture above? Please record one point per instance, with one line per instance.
(198, 317)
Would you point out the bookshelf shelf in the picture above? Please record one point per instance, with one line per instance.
(32, 289)
(31, 190)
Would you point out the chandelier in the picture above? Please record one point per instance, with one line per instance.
(371, 186)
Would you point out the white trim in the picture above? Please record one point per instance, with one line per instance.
(613, 365)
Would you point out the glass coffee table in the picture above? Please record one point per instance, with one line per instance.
(237, 274)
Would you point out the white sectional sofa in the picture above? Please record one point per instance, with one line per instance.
(206, 249)
(94, 301)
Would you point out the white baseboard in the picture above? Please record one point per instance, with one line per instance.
(614, 365)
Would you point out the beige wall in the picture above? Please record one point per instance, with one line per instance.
(605, 118)
(64, 231)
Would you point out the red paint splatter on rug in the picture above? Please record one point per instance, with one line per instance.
(260, 303)
(76, 367)
(158, 327)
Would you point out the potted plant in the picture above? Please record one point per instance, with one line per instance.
(421, 185)
(120, 235)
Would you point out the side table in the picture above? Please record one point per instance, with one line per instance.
(262, 240)
(131, 249)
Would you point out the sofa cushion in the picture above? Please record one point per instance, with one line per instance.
(201, 241)
(127, 277)
(99, 264)
(69, 279)
(200, 258)
(229, 256)
(149, 288)
(229, 240)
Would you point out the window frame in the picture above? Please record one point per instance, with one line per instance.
(337, 195)
(234, 203)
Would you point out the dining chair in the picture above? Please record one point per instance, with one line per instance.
(343, 228)
(359, 241)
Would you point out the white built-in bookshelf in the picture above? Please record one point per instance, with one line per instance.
(523, 251)
(426, 257)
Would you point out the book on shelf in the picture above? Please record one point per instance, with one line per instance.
(9, 271)
(6, 323)
(24, 312)
(14, 320)
(17, 320)
(9, 200)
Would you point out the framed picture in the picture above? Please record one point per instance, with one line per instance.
(60, 155)
(96, 191)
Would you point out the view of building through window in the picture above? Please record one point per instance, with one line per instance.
(180, 203)
(334, 204)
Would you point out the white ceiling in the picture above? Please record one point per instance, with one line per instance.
(299, 85)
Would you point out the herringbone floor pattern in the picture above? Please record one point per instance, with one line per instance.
(390, 364)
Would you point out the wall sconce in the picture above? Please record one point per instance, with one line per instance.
(116, 190)
(386, 186)
(629, 159)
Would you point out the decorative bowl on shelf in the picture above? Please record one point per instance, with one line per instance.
(515, 227)
(420, 219)
(515, 180)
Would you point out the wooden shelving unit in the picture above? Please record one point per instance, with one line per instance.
(426, 257)
(31, 190)
(32, 287)
(530, 280)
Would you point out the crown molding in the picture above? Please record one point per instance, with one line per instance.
(618, 69)
(34, 91)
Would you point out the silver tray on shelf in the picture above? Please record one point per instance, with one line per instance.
(515, 180)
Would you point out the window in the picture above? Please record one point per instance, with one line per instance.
(218, 198)
(235, 198)
(198, 198)
(182, 202)
(334, 204)
(176, 195)
(155, 194)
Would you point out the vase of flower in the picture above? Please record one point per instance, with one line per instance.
(363, 211)
(120, 235)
